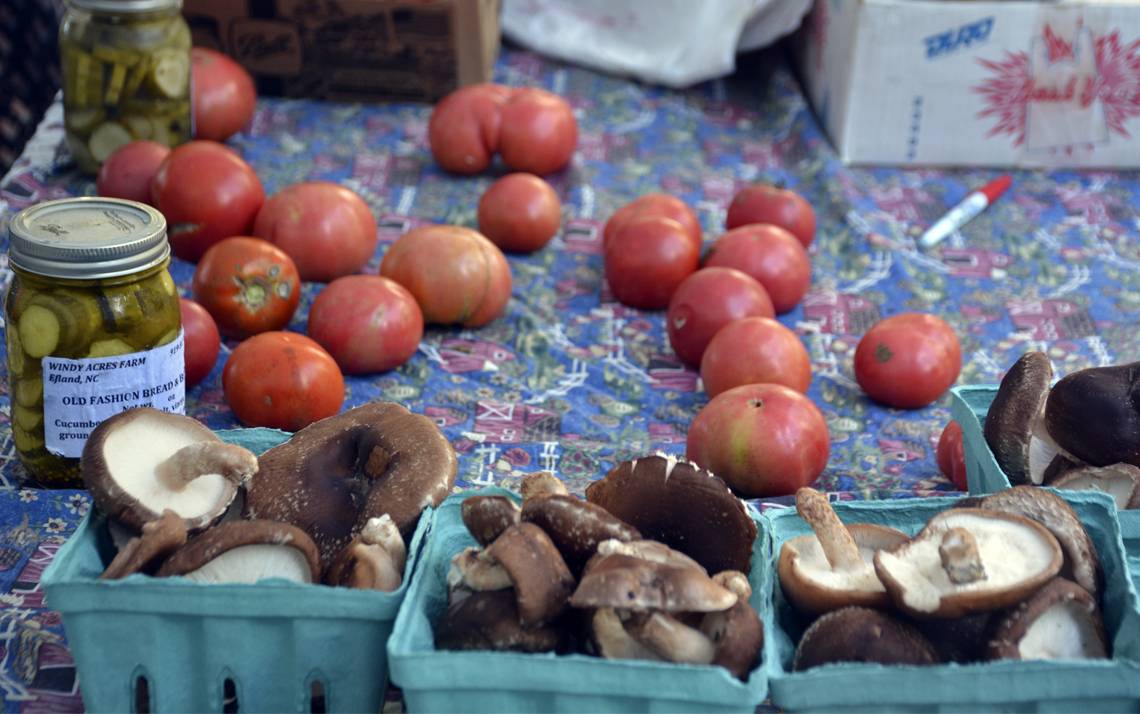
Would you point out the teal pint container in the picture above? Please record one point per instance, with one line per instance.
(271, 645)
(486, 681)
(1036, 686)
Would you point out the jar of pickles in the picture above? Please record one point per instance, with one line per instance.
(92, 324)
(126, 75)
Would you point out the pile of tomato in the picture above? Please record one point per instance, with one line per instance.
(759, 431)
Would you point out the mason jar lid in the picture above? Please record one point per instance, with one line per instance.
(125, 6)
(87, 238)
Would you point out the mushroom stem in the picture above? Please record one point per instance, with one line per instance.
(159, 539)
(382, 532)
(374, 568)
(613, 641)
(207, 457)
(960, 557)
(541, 483)
(475, 569)
(735, 582)
(837, 542)
(673, 640)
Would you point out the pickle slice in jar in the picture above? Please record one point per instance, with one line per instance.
(27, 419)
(109, 348)
(27, 440)
(80, 153)
(167, 338)
(107, 137)
(82, 120)
(135, 78)
(61, 322)
(29, 391)
(170, 72)
(39, 331)
(115, 84)
(139, 126)
(136, 313)
(17, 361)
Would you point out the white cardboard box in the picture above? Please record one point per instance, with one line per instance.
(970, 82)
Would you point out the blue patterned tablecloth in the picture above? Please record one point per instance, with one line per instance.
(573, 382)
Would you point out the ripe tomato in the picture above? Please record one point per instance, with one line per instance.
(762, 439)
(202, 341)
(772, 256)
(708, 300)
(207, 193)
(655, 204)
(223, 95)
(282, 380)
(647, 259)
(455, 274)
(755, 350)
(538, 133)
(761, 203)
(130, 169)
(326, 229)
(247, 286)
(367, 323)
(952, 456)
(908, 360)
(520, 212)
(463, 131)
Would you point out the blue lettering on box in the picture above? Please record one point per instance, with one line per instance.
(968, 35)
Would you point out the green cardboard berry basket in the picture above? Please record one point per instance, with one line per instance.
(481, 681)
(1036, 686)
(271, 643)
(969, 409)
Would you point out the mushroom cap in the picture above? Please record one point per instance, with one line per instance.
(334, 475)
(1016, 408)
(542, 582)
(1094, 414)
(738, 635)
(860, 634)
(118, 466)
(576, 526)
(144, 553)
(1059, 621)
(630, 583)
(1050, 510)
(1017, 554)
(486, 517)
(812, 586)
(1121, 481)
(489, 620)
(674, 501)
(246, 552)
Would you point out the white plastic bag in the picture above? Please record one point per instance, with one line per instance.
(670, 42)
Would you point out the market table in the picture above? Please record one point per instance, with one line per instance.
(573, 382)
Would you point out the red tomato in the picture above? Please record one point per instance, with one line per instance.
(520, 212)
(761, 203)
(755, 350)
(207, 193)
(538, 133)
(367, 323)
(326, 229)
(202, 341)
(655, 204)
(647, 259)
(762, 439)
(223, 95)
(455, 274)
(130, 169)
(247, 286)
(464, 127)
(282, 380)
(771, 255)
(908, 360)
(952, 456)
(708, 300)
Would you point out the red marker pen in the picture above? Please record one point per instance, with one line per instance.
(965, 211)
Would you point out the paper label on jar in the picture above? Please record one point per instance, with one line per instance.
(81, 393)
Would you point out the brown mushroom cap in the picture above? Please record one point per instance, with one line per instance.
(144, 553)
(1050, 510)
(489, 620)
(1014, 414)
(738, 635)
(486, 517)
(1094, 414)
(682, 505)
(630, 583)
(576, 526)
(335, 474)
(812, 586)
(1121, 481)
(246, 552)
(860, 634)
(1059, 621)
(121, 460)
(1017, 555)
(541, 579)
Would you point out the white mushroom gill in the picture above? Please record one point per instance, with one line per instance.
(813, 566)
(1064, 631)
(134, 449)
(251, 563)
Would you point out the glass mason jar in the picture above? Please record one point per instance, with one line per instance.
(126, 75)
(92, 325)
